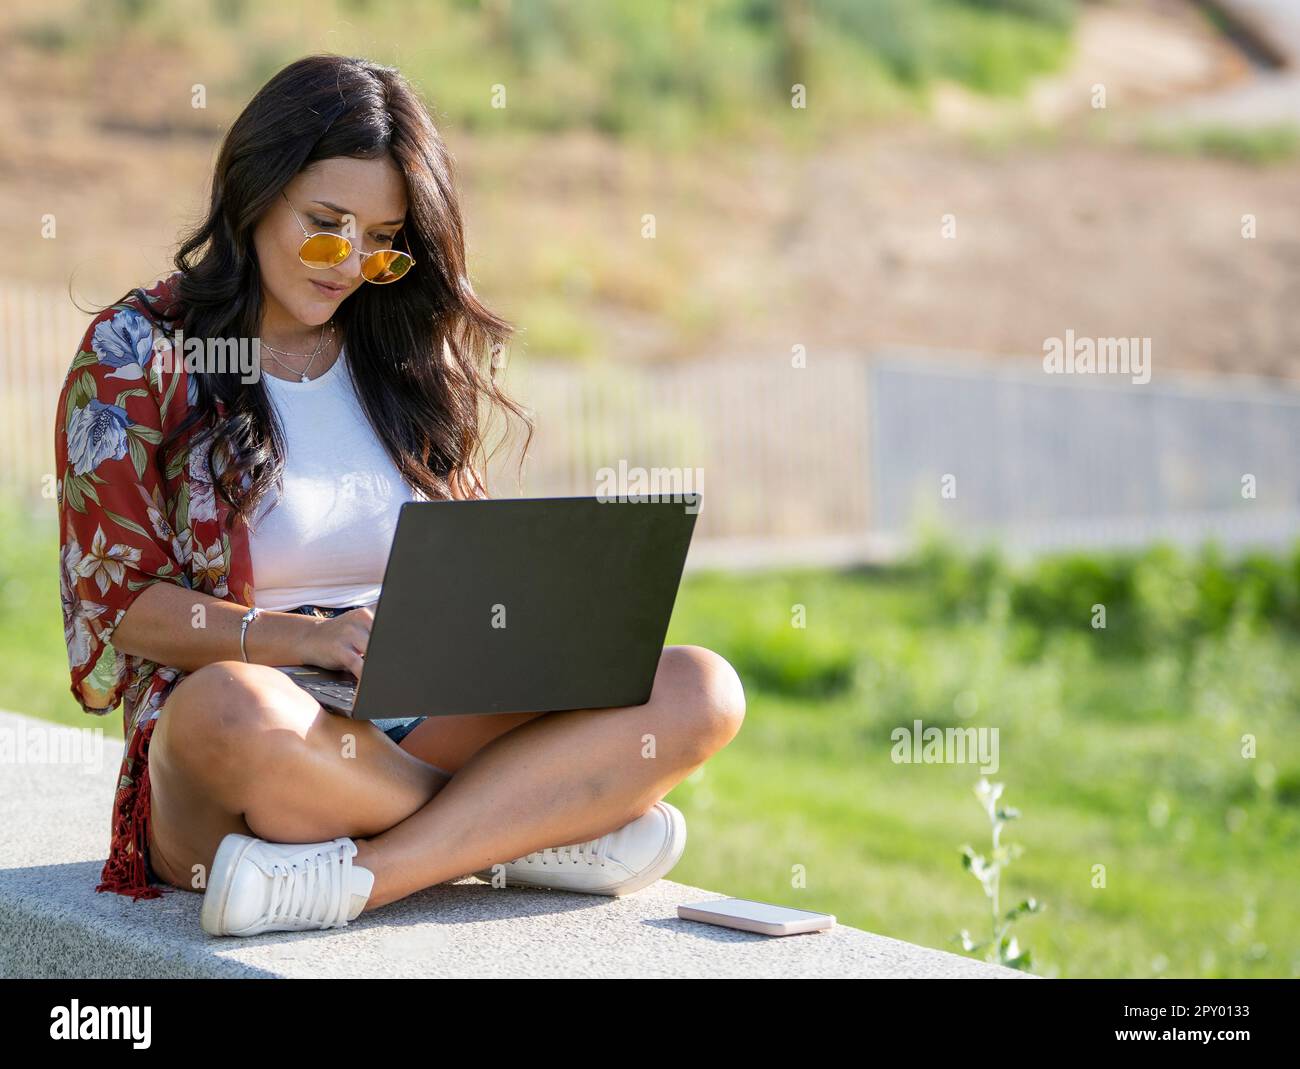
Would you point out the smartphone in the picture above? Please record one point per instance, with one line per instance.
(762, 917)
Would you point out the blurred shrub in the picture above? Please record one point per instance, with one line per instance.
(993, 46)
(959, 583)
(1287, 787)
(679, 72)
(1157, 598)
(1258, 145)
(797, 662)
(1059, 13)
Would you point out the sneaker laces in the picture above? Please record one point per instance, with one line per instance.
(312, 888)
(592, 852)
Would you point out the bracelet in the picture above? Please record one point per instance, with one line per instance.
(248, 618)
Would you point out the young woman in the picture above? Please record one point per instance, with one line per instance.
(192, 495)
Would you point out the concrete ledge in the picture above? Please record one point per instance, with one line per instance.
(54, 820)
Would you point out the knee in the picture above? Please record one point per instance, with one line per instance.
(704, 695)
(223, 710)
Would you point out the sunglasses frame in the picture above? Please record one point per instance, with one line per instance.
(351, 245)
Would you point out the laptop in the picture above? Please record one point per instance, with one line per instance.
(513, 605)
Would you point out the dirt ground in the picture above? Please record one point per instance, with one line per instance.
(1062, 220)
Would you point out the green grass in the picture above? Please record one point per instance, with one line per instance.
(1259, 145)
(36, 678)
(1121, 748)
(1130, 760)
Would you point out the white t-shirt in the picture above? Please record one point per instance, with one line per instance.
(325, 541)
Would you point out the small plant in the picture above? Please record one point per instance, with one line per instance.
(1002, 947)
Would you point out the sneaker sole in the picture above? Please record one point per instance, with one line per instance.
(212, 917)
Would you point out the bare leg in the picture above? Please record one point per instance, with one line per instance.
(562, 778)
(553, 779)
(237, 751)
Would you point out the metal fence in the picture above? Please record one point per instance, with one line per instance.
(1039, 461)
(844, 459)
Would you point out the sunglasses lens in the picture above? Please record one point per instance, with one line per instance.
(386, 266)
(324, 250)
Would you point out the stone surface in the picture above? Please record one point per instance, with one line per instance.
(54, 818)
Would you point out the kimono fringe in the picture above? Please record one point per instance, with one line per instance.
(124, 871)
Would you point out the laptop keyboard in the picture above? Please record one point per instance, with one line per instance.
(339, 693)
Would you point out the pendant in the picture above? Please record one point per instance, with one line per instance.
(304, 379)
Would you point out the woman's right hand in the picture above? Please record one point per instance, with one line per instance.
(340, 642)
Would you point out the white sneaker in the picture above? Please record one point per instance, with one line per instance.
(256, 886)
(619, 863)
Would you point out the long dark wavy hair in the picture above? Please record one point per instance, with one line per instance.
(426, 414)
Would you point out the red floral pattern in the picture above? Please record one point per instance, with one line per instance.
(126, 520)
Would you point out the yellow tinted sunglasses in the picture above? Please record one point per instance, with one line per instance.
(323, 250)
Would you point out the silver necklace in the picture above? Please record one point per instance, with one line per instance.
(302, 375)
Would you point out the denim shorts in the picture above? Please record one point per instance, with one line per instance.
(396, 728)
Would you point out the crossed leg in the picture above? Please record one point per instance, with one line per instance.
(239, 748)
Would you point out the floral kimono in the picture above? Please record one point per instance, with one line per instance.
(126, 520)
